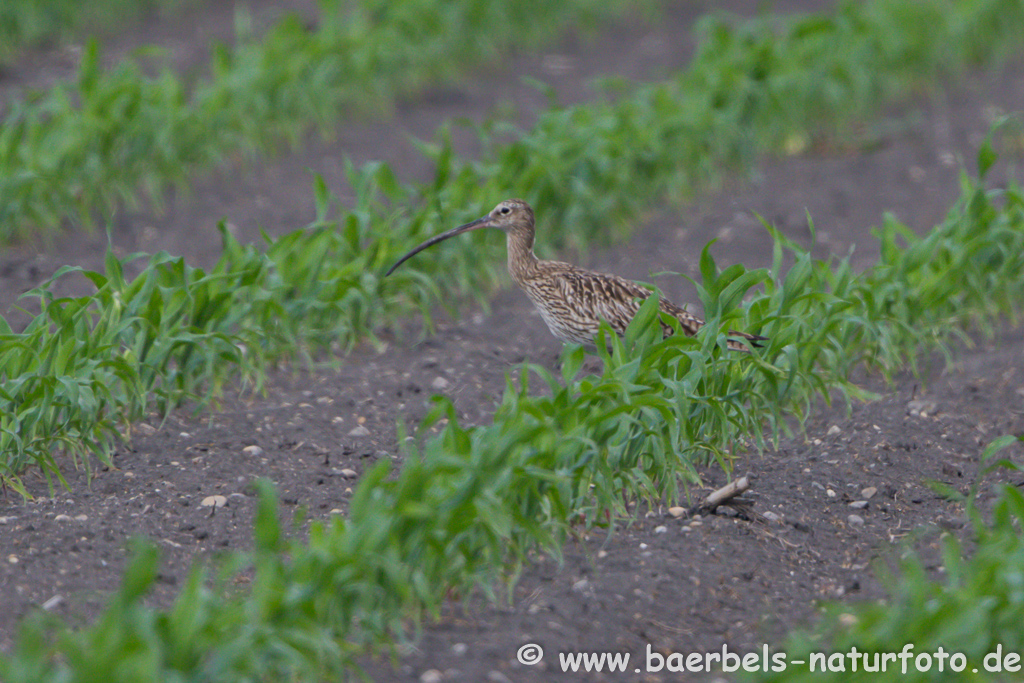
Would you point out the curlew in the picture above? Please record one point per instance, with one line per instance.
(572, 301)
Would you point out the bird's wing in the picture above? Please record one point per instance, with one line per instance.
(620, 300)
(579, 299)
(600, 296)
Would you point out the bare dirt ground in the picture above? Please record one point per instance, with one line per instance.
(673, 585)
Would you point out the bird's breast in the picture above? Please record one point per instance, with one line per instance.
(566, 319)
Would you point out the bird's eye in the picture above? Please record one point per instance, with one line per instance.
(505, 210)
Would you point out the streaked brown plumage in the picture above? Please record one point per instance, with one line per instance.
(572, 300)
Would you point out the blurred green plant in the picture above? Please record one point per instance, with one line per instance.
(115, 136)
(42, 23)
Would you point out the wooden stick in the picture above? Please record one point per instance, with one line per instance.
(731, 490)
(727, 495)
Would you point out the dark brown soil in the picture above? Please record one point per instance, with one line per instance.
(675, 586)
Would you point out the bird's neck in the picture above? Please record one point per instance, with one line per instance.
(522, 262)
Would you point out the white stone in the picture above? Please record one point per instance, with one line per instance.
(431, 676)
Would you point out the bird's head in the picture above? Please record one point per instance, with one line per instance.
(508, 216)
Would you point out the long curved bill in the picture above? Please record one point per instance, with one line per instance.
(478, 223)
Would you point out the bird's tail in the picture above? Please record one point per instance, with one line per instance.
(749, 340)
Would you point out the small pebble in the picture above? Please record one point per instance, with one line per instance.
(868, 492)
(62, 518)
(830, 493)
(855, 520)
(921, 408)
(677, 511)
(81, 518)
(770, 516)
(660, 529)
(254, 451)
(833, 430)
(859, 504)
(349, 473)
(359, 431)
(431, 676)
(459, 649)
(581, 585)
(439, 384)
(52, 602)
(214, 502)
